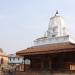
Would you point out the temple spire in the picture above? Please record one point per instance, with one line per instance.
(57, 26)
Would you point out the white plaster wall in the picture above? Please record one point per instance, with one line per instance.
(15, 60)
(52, 40)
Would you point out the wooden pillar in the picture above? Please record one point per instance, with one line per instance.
(50, 64)
(24, 63)
(42, 64)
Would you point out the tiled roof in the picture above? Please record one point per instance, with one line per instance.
(50, 48)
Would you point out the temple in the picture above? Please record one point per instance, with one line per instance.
(53, 53)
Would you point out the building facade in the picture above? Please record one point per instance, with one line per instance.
(16, 62)
(15, 59)
(3, 57)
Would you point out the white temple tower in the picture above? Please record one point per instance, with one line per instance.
(57, 32)
(57, 26)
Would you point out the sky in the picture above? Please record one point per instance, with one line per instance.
(22, 21)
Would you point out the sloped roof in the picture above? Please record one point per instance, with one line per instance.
(14, 56)
(49, 48)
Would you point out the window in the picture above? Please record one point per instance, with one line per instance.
(2, 60)
(53, 35)
(18, 58)
(10, 59)
(55, 29)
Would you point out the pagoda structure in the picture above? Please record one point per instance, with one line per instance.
(53, 53)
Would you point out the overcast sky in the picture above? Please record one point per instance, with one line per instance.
(22, 21)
